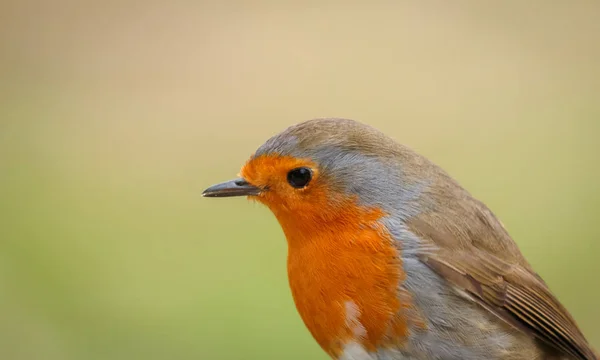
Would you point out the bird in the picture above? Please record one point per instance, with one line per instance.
(390, 258)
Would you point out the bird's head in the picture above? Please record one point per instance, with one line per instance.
(323, 171)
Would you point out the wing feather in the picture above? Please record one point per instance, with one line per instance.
(511, 291)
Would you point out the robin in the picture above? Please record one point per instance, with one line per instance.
(390, 258)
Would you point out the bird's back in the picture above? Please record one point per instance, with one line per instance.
(480, 296)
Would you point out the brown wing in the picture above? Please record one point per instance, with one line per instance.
(511, 291)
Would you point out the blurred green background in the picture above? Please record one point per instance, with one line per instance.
(114, 116)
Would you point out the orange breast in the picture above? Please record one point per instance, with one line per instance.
(340, 258)
(350, 263)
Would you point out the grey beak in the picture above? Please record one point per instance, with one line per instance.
(237, 187)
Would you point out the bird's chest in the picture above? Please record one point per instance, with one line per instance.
(348, 293)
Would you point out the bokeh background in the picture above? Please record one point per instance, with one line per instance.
(115, 115)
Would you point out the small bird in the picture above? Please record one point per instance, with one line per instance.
(390, 258)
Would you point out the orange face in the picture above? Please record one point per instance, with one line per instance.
(285, 194)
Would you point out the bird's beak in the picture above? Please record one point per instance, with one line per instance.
(237, 187)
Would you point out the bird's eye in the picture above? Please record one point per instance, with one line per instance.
(299, 177)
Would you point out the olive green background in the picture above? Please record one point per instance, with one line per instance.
(115, 115)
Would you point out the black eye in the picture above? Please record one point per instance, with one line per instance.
(299, 177)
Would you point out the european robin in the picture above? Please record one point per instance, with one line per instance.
(390, 258)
